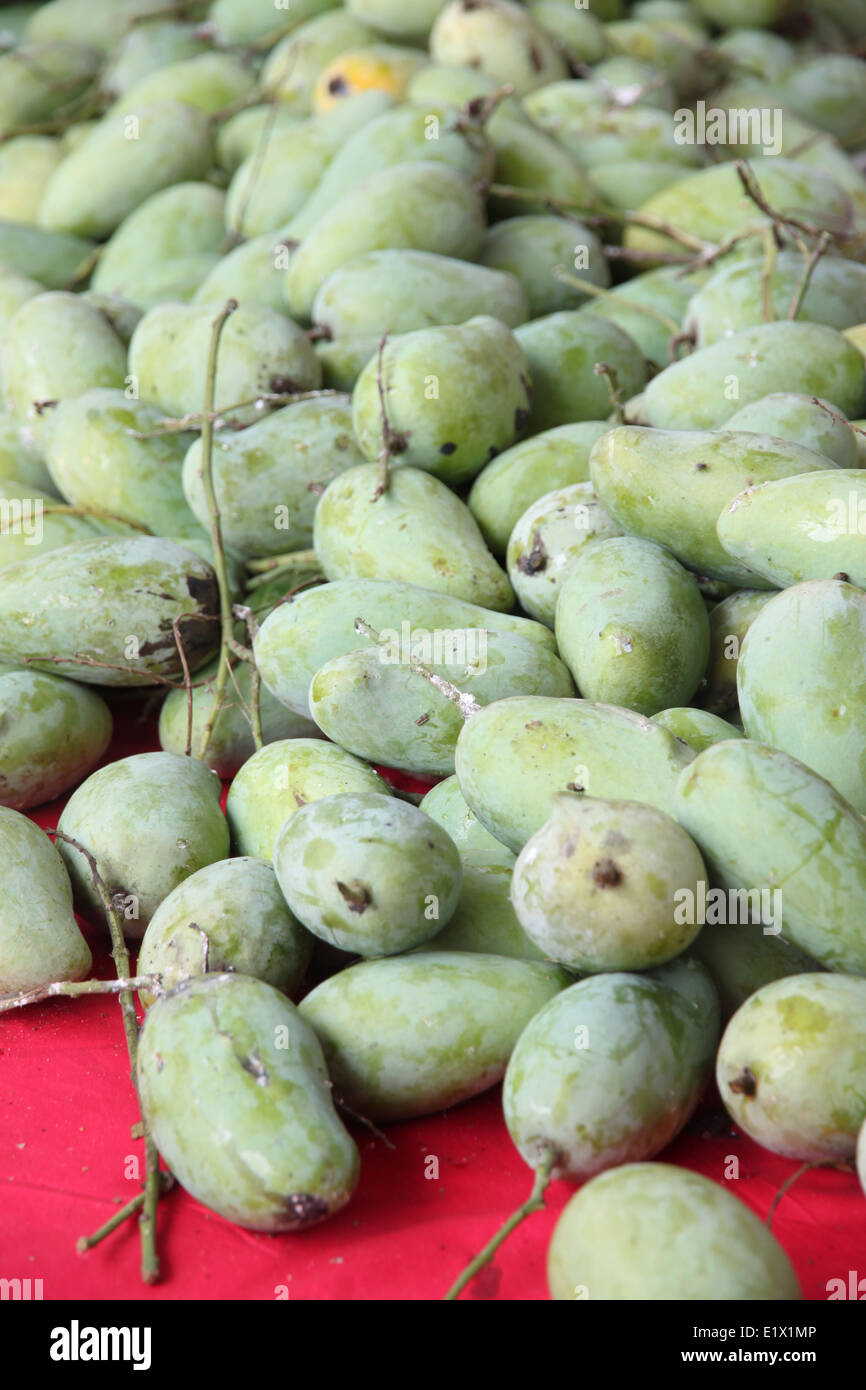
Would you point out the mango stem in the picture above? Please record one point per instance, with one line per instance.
(122, 1214)
(535, 1202)
(70, 989)
(466, 704)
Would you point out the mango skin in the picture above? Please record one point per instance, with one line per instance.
(537, 165)
(729, 622)
(37, 79)
(609, 1071)
(86, 600)
(511, 483)
(229, 915)
(595, 888)
(18, 461)
(631, 626)
(514, 754)
(741, 960)
(562, 350)
(655, 1231)
(802, 420)
(149, 820)
(260, 351)
(499, 38)
(792, 830)
(694, 393)
(50, 258)
(227, 1069)
(548, 539)
(696, 727)
(39, 530)
(418, 531)
(412, 1035)
(803, 528)
(95, 462)
(111, 172)
(664, 290)
(426, 207)
(343, 360)
(532, 246)
(367, 873)
(52, 734)
(231, 742)
(652, 483)
(26, 164)
(292, 66)
(239, 22)
(253, 271)
(405, 22)
(207, 82)
(39, 937)
(801, 671)
(298, 638)
(813, 1111)
(268, 478)
(399, 291)
(171, 226)
(481, 406)
(731, 299)
(280, 778)
(372, 703)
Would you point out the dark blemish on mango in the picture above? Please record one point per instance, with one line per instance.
(357, 895)
(606, 874)
(746, 1084)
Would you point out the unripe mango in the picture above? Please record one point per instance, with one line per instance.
(39, 937)
(801, 420)
(548, 539)
(52, 733)
(563, 351)
(500, 38)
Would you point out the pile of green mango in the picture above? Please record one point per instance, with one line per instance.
(439, 430)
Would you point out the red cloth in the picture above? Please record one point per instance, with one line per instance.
(66, 1158)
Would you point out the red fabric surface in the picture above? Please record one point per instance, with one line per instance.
(67, 1159)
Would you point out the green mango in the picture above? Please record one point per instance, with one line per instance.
(229, 915)
(631, 626)
(755, 52)
(513, 755)
(669, 486)
(99, 23)
(298, 638)
(123, 316)
(800, 677)
(280, 778)
(52, 259)
(268, 478)
(511, 483)
(367, 873)
(208, 82)
(827, 90)
(650, 308)
(29, 529)
(343, 360)
(37, 365)
(801, 528)
(696, 727)
(454, 397)
(610, 1070)
(800, 420)
(597, 888)
(415, 1034)
(580, 36)
(408, 23)
(713, 205)
(741, 959)
(179, 224)
(396, 135)
(420, 206)
(149, 820)
(733, 298)
(625, 183)
(617, 78)
(531, 248)
(400, 291)
(37, 79)
(375, 705)
(292, 66)
(533, 162)
(15, 290)
(814, 1110)
(26, 164)
(252, 273)
(655, 1231)
(418, 531)
(547, 540)
(580, 115)
(258, 22)
(106, 607)
(235, 1092)
(19, 463)
(260, 351)
(764, 821)
(729, 622)
(231, 742)
(455, 84)
(122, 161)
(39, 937)
(52, 733)
(250, 129)
(146, 49)
(672, 47)
(95, 461)
(563, 350)
(501, 39)
(696, 392)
